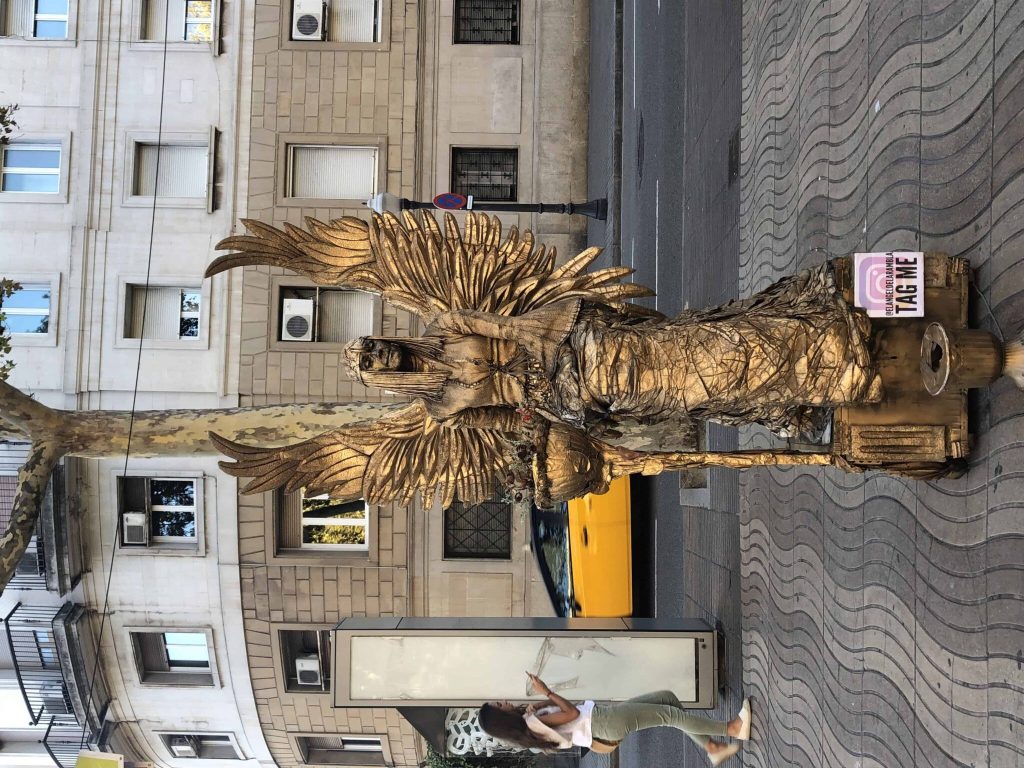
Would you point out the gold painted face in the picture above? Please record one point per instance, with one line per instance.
(380, 355)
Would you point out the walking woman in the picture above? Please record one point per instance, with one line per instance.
(560, 724)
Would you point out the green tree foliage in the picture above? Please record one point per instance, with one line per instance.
(335, 534)
(7, 287)
(7, 122)
(522, 759)
(323, 507)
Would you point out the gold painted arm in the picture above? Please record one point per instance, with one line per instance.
(472, 323)
(496, 417)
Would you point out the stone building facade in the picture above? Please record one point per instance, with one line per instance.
(89, 228)
(412, 97)
(395, 113)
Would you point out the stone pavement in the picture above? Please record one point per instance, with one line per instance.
(883, 619)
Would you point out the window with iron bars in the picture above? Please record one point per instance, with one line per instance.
(478, 531)
(486, 21)
(486, 174)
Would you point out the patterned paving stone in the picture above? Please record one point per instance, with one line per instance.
(883, 619)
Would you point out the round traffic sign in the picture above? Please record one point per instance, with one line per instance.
(450, 201)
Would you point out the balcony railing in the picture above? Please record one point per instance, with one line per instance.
(37, 662)
(31, 570)
(51, 649)
(64, 738)
(52, 560)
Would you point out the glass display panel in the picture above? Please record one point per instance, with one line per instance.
(462, 668)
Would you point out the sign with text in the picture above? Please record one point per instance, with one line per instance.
(889, 284)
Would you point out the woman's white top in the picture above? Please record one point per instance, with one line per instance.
(574, 733)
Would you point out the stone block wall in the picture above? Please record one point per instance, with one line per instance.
(414, 97)
(368, 94)
(316, 592)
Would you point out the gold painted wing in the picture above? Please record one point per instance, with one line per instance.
(421, 268)
(386, 460)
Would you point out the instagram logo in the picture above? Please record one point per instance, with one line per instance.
(874, 281)
(889, 284)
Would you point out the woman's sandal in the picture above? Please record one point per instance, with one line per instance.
(744, 716)
(724, 754)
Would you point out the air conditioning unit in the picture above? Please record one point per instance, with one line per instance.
(183, 746)
(308, 19)
(297, 320)
(307, 669)
(134, 529)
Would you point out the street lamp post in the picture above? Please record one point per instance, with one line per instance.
(385, 201)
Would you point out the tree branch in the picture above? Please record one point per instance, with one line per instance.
(33, 478)
(11, 434)
(24, 413)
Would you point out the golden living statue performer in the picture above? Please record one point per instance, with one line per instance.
(526, 371)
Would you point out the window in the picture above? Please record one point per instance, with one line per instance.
(341, 750)
(173, 657)
(330, 524)
(486, 21)
(306, 655)
(203, 746)
(354, 21)
(51, 20)
(35, 19)
(337, 25)
(158, 511)
(478, 531)
(31, 168)
(182, 170)
(325, 172)
(486, 174)
(189, 21)
(198, 21)
(46, 649)
(324, 314)
(162, 312)
(319, 522)
(28, 309)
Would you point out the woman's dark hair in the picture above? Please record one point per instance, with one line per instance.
(510, 726)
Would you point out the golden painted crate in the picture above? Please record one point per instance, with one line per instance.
(910, 425)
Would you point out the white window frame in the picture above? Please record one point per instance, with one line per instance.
(184, 667)
(281, 282)
(347, 522)
(288, 141)
(121, 341)
(48, 339)
(177, 508)
(183, 314)
(49, 140)
(198, 20)
(232, 741)
(15, 311)
(184, 676)
(384, 751)
(133, 139)
(65, 17)
(384, 32)
(139, 42)
(164, 545)
(290, 165)
(32, 171)
(27, 36)
(283, 660)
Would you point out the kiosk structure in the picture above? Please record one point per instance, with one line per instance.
(462, 662)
